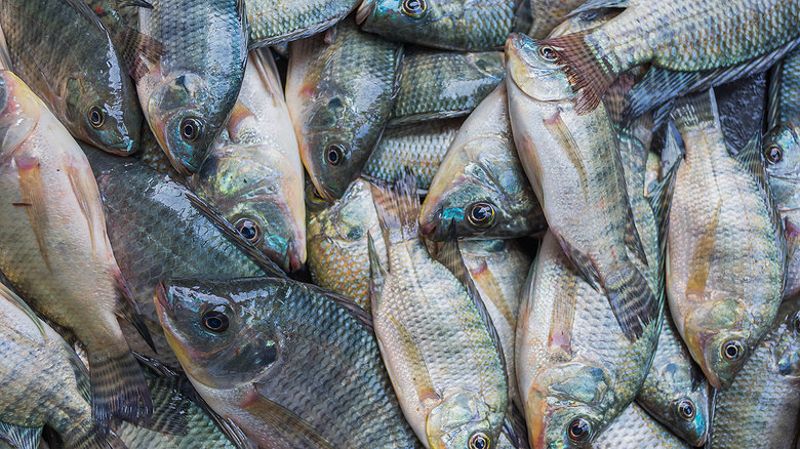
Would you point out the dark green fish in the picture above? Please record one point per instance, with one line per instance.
(463, 25)
(442, 84)
(272, 22)
(63, 52)
(340, 90)
(417, 149)
(785, 90)
(158, 231)
(294, 366)
(188, 92)
(548, 14)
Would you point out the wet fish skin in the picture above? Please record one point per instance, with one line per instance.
(188, 93)
(338, 256)
(273, 22)
(294, 345)
(70, 62)
(761, 407)
(726, 254)
(443, 84)
(417, 149)
(461, 25)
(548, 14)
(340, 88)
(55, 250)
(787, 102)
(158, 234)
(635, 429)
(253, 175)
(482, 167)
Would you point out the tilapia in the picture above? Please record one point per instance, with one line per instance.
(635, 429)
(726, 252)
(442, 354)
(785, 90)
(548, 14)
(189, 90)
(43, 383)
(650, 32)
(417, 149)
(573, 163)
(480, 185)
(462, 25)
(253, 175)
(55, 251)
(340, 90)
(443, 84)
(62, 51)
(158, 231)
(762, 405)
(579, 22)
(295, 367)
(273, 22)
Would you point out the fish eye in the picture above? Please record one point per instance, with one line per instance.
(215, 321)
(579, 430)
(733, 350)
(481, 215)
(773, 154)
(548, 53)
(796, 323)
(479, 440)
(191, 129)
(685, 409)
(249, 229)
(414, 8)
(96, 117)
(334, 154)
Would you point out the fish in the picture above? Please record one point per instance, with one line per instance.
(653, 171)
(442, 84)
(584, 21)
(417, 149)
(63, 52)
(635, 429)
(762, 405)
(188, 91)
(725, 246)
(781, 151)
(649, 32)
(253, 175)
(159, 229)
(480, 186)
(338, 257)
(36, 359)
(421, 310)
(460, 25)
(55, 251)
(293, 365)
(287, 20)
(337, 120)
(785, 90)
(548, 14)
(573, 163)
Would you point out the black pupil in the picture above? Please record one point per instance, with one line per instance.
(480, 443)
(579, 429)
(188, 129)
(215, 321)
(774, 154)
(95, 116)
(248, 229)
(687, 409)
(481, 212)
(732, 351)
(548, 53)
(414, 6)
(334, 155)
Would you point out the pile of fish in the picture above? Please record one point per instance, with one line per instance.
(399, 224)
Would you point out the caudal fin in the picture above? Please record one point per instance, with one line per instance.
(93, 438)
(632, 301)
(119, 389)
(398, 209)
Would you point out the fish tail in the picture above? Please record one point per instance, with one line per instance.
(92, 438)
(398, 206)
(632, 301)
(128, 310)
(696, 111)
(119, 389)
(589, 74)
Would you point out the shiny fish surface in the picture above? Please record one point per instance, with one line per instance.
(292, 365)
(441, 84)
(788, 95)
(548, 14)
(635, 429)
(274, 22)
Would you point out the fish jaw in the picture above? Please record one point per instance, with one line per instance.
(457, 419)
(538, 78)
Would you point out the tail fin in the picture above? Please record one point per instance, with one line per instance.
(5, 58)
(128, 310)
(696, 112)
(589, 72)
(94, 438)
(398, 209)
(19, 437)
(119, 389)
(632, 301)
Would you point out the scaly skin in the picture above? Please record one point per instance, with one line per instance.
(548, 14)
(635, 429)
(274, 22)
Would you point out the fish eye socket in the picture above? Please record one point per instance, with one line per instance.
(796, 323)
(479, 440)
(249, 229)
(191, 129)
(686, 409)
(733, 350)
(414, 8)
(334, 154)
(548, 53)
(96, 117)
(774, 154)
(579, 430)
(215, 321)
(481, 215)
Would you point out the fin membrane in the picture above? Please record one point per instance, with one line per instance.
(118, 389)
(397, 206)
(19, 437)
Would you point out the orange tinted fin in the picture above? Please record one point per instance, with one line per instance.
(33, 194)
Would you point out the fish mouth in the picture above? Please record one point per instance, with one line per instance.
(125, 147)
(364, 11)
(162, 301)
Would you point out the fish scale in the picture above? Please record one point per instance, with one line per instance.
(274, 22)
(635, 429)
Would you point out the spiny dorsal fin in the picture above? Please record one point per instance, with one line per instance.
(594, 5)
(19, 437)
(697, 111)
(285, 422)
(377, 274)
(397, 206)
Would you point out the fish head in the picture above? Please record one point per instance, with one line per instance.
(689, 414)
(781, 149)
(786, 349)
(349, 219)
(214, 332)
(256, 195)
(399, 15)
(535, 70)
(462, 421)
(105, 111)
(180, 114)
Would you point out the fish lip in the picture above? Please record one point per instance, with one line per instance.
(364, 10)
(162, 301)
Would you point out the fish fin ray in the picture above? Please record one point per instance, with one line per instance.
(5, 56)
(128, 310)
(118, 388)
(696, 111)
(137, 51)
(33, 193)
(594, 5)
(397, 206)
(514, 428)
(285, 421)
(84, 10)
(584, 265)
(19, 437)
(633, 303)
(700, 263)
(377, 273)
